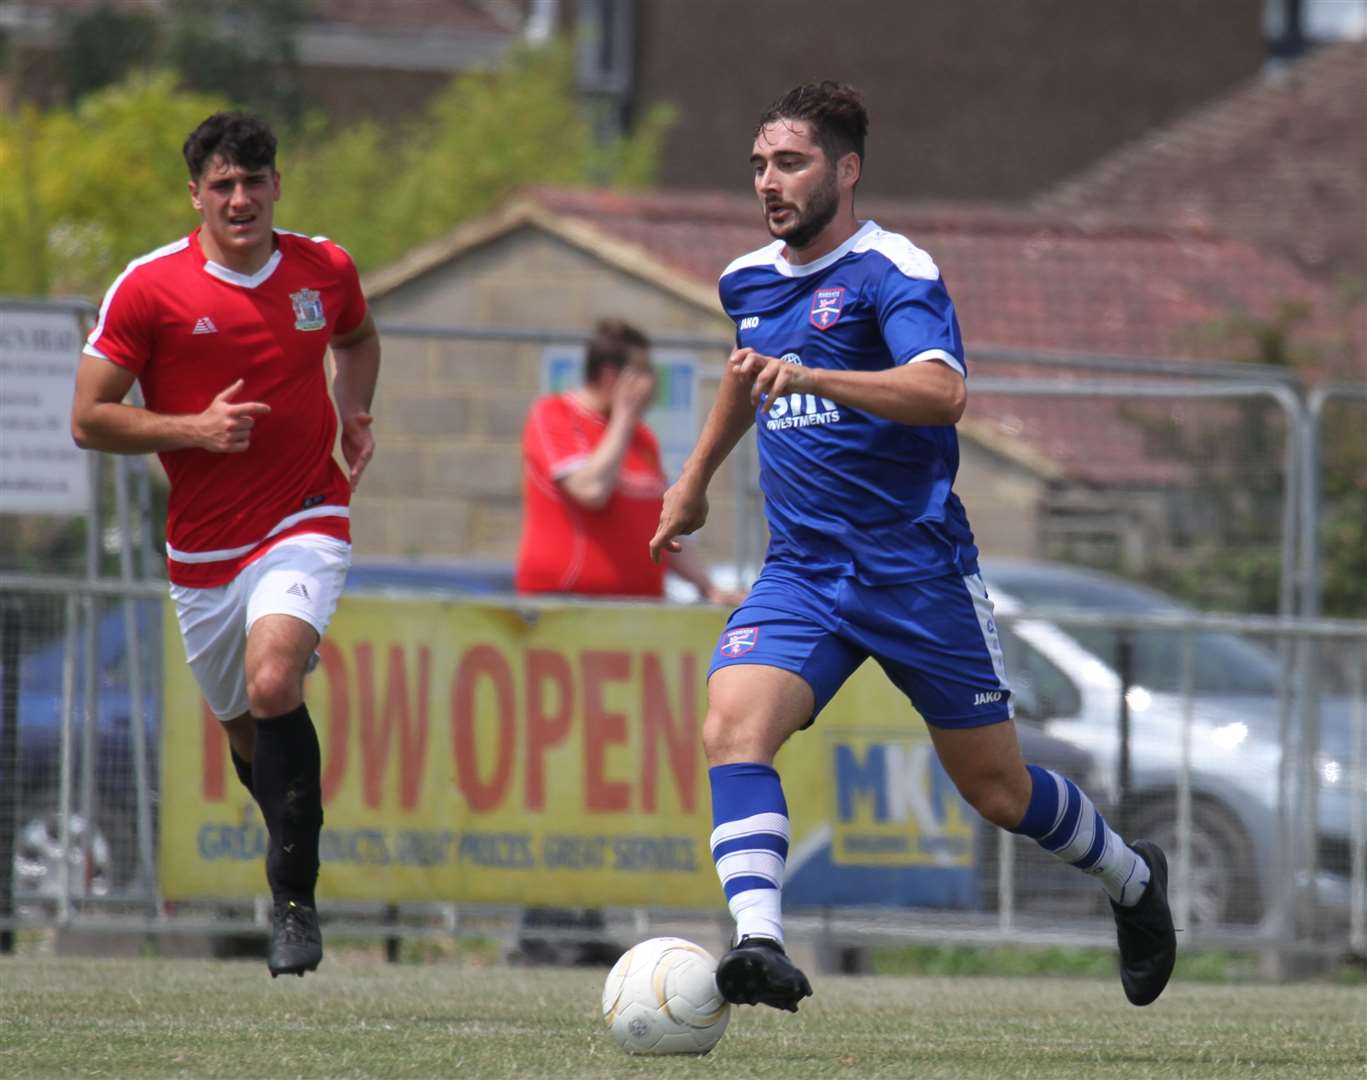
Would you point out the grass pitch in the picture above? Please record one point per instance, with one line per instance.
(359, 1017)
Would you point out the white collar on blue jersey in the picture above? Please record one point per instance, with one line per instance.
(787, 269)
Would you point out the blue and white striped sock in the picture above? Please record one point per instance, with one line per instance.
(1064, 822)
(750, 845)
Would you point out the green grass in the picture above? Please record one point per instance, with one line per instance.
(361, 1017)
(1207, 966)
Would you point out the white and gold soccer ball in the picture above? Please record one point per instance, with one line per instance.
(661, 997)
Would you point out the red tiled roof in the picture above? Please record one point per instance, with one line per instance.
(1019, 280)
(1025, 281)
(1282, 163)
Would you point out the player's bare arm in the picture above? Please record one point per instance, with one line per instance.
(101, 421)
(685, 503)
(925, 393)
(592, 484)
(357, 357)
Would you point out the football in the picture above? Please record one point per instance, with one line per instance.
(661, 997)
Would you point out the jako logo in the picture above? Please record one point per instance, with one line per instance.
(749, 322)
(988, 698)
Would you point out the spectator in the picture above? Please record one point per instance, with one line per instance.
(592, 494)
(593, 485)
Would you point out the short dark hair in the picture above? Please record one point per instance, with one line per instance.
(612, 341)
(835, 111)
(239, 138)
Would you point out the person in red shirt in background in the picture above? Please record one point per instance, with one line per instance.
(592, 493)
(593, 485)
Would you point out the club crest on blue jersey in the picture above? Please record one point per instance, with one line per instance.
(738, 641)
(308, 310)
(827, 304)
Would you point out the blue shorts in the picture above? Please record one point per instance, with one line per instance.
(936, 640)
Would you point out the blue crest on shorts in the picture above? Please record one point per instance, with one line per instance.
(738, 641)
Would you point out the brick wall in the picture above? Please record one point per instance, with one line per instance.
(446, 480)
(979, 99)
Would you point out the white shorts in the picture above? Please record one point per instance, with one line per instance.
(301, 576)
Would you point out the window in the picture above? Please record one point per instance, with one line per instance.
(1040, 690)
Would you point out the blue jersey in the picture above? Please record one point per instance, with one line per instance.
(846, 491)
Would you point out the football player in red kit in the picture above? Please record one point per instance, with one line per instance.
(226, 330)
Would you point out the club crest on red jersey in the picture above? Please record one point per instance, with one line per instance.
(827, 304)
(308, 310)
(738, 641)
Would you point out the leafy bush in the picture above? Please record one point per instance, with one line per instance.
(85, 189)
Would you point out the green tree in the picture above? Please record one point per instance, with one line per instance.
(1343, 511)
(254, 64)
(484, 136)
(102, 46)
(85, 189)
(1237, 480)
(94, 186)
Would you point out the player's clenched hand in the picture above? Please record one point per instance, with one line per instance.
(225, 427)
(684, 511)
(767, 375)
(358, 444)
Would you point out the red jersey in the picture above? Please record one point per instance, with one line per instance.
(189, 328)
(570, 548)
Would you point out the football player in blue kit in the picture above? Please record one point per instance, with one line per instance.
(849, 360)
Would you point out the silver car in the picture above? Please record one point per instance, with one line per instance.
(1069, 680)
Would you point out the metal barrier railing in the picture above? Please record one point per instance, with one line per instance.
(1288, 920)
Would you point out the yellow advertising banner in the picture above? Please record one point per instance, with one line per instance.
(478, 752)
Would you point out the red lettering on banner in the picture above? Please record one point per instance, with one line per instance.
(545, 729)
(214, 757)
(486, 661)
(333, 665)
(377, 732)
(601, 728)
(681, 742)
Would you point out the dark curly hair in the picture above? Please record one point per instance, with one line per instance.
(610, 346)
(835, 110)
(238, 138)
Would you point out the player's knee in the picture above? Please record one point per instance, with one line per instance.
(996, 799)
(714, 738)
(726, 738)
(274, 688)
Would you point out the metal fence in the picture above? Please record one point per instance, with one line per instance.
(1218, 482)
(1190, 729)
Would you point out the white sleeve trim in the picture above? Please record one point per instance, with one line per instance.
(565, 466)
(159, 253)
(939, 354)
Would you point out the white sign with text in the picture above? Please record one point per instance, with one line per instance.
(41, 470)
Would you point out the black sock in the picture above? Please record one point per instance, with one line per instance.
(287, 770)
(244, 771)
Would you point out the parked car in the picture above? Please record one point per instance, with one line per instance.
(108, 862)
(1069, 680)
